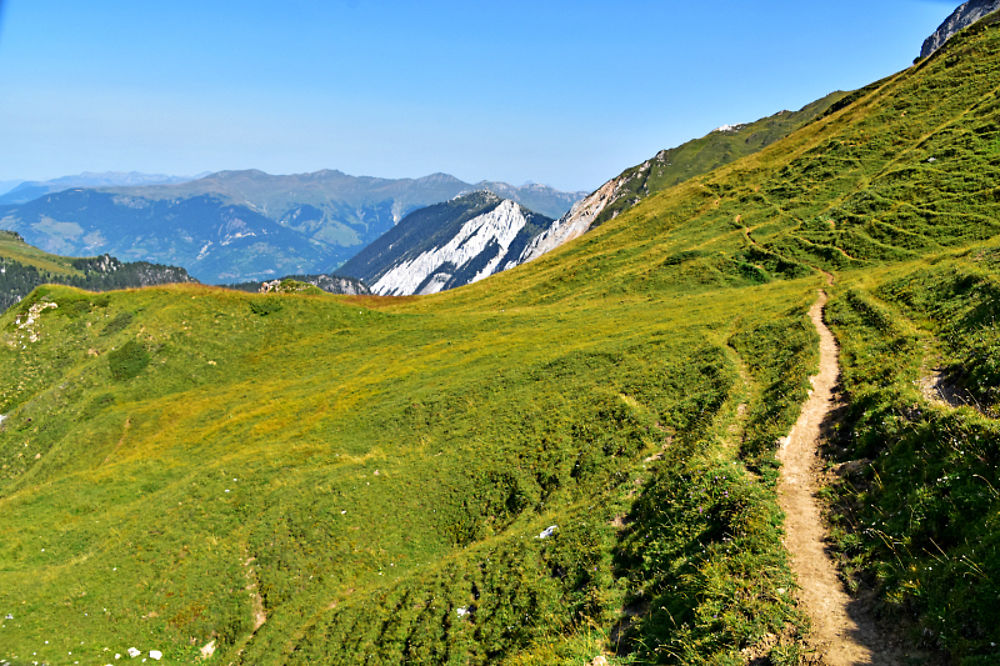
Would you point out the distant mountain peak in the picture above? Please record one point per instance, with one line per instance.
(228, 173)
(960, 19)
(438, 177)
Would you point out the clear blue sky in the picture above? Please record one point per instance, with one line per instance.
(566, 93)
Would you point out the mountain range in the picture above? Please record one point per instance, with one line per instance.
(433, 249)
(15, 192)
(235, 226)
(241, 225)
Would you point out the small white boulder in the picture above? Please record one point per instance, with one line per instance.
(133, 652)
(155, 655)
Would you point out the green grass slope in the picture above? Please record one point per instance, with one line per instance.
(177, 460)
(317, 479)
(916, 509)
(723, 146)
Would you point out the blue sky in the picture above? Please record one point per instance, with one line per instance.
(564, 93)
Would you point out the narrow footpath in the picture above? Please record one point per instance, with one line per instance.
(842, 633)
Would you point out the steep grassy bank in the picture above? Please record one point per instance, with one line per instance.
(917, 514)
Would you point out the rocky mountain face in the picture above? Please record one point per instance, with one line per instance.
(961, 18)
(670, 167)
(236, 226)
(448, 245)
(576, 222)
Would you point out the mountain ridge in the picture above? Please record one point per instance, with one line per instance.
(25, 191)
(674, 165)
(23, 268)
(238, 225)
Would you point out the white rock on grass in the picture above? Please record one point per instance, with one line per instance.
(133, 652)
(547, 532)
(155, 655)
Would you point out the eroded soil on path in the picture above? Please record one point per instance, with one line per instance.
(843, 633)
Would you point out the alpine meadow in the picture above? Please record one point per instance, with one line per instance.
(574, 461)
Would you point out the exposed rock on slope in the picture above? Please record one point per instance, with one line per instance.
(447, 245)
(960, 19)
(573, 224)
(334, 284)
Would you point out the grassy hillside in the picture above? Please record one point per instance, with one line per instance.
(24, 267)
(319, 479)
(699, 156)
(14, 249)
(180, 458)
(917, 516)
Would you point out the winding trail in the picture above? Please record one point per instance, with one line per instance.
(842, 632)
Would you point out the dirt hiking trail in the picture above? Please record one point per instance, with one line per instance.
(842, 632)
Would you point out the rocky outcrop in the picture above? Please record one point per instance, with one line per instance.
(334, 284)
(960, 19)
(448, 245)
(338, 284)
(573, 224)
